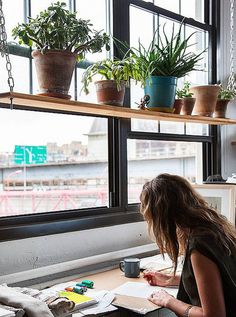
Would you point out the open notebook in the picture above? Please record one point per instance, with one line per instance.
(141, 290)
(133, 296)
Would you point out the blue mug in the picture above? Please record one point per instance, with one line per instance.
(131, 267)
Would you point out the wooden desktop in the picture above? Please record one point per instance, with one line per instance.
(111, 279)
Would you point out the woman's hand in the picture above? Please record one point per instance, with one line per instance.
(160, 298)
(161, 279)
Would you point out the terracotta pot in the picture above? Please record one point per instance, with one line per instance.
(206, 97)
(221, 107)
(109, 94)
(188, 104)
(54, 71)
(177, 106)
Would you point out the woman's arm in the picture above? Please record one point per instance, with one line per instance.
(161, 279)
(210, 291)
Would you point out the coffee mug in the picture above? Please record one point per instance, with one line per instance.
(131, 267)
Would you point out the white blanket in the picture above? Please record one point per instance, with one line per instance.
(32, 306)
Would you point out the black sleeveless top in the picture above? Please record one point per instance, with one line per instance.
(208, 246)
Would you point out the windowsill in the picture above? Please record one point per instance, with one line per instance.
(45, 226)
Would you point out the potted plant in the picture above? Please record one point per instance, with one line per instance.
(185, 102)
(159, 67)
(115, 75)
(206, 97)
(60, 40)
(224, 97)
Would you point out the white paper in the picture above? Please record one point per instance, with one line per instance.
(104, 299)
(142, 290)
(158, 263)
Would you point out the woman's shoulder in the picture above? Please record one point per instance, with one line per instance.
(211, 245)
(202, 236)
(204, 242)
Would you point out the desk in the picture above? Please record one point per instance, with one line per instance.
(113, 278)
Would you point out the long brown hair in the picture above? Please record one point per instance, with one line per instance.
(172, 209)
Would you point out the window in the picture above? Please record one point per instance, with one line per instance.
(91, 169)
(190, 9)
(55, 162)
(172, 152)
(148, 158)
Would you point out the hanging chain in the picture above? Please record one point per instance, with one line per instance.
(231, 82)
(5, 51)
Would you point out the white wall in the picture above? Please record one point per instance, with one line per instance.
(33, 253)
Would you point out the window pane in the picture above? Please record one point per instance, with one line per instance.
(4, 74)
(172, 127)
(145, 125)
(38, 6)
(193, 9)
(198, 42)
(172, 5)
(139, 18)
(144, 35)
(137, 91)
(52, 162)
(13, 14)
(20, 73)
(92, 96)
(197, 129)
(147, 159)
(95, 11)
(167, 25)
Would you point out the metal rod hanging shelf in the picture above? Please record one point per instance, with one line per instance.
(36, 102)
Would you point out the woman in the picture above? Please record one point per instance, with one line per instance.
(183, 223)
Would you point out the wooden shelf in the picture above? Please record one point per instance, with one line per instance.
(34, 102)
(233, 142)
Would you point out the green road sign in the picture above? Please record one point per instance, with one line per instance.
(27, 154)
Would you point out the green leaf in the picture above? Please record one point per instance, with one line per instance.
(58, 28)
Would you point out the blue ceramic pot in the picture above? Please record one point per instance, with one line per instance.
(161, 90)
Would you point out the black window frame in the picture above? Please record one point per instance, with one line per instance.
(119, 131)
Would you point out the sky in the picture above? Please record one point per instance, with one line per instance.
(19, 127)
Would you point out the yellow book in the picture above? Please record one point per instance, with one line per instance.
(80, 301)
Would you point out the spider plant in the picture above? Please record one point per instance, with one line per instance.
(169, 57)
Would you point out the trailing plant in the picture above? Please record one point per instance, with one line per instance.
(56, 28)
(117, 70)
(226, 93)
(184, 92)
(169, 57)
